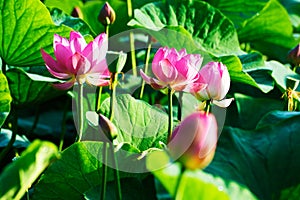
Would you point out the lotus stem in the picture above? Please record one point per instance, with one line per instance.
(147, 58)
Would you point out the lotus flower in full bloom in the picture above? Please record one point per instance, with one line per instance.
(77, 61)
(194, 141)
(177, 70)
(216, 76)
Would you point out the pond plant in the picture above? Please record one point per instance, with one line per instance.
(149, 99)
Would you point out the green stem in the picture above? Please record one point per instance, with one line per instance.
(207, 107)
(114, 82)
(131, 39)
(170, 112)
(107, 30)
(80, 111)
(63, 126)
(14, 127)
(116, 173)
(104, 170)
(179, 113)
(182, 170)
(129, 8)
(113, 95)
(147, 58)
(98, 98)
(132, 52)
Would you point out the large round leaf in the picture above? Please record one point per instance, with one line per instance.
(264, 159)
(259, 23)
(25, 28)
(27, 88)
(5, 98)
(208, 27)
(18, 176)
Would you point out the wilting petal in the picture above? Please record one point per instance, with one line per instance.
(64, 86)
(77, 42)
(223, 103)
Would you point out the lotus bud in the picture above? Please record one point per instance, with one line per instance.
(77, 12)
(217, 78)
(108, 128)
(107, 15)
(194, 141)
(294, 55)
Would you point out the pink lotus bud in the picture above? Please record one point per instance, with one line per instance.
(78, 61)
(217, 78)
(76, 12)
(194, 141)
(108, 128)
(107, 15)
(294, 55)
(177, 70)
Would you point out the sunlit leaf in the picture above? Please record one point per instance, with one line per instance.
(25, 28)
(5, 98)
(18, 176)
(27, 88)
(206, 26)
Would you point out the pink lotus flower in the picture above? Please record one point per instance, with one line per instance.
(194, 141)
(217, 78)
(177, 70)
(78, 61)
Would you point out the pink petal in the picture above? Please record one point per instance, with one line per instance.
(159, 55)
(53, 67)
(77, 42)
(195, 87)
(80, 64)
(195, 60)
(182, 53)
(153, 82)
(64, 86)
(165, 72)
(101, 67)
(62, 53)
(58, 74)
(60, 40)
(96, 50)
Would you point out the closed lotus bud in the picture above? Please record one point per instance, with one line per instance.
(107, 15)
(194, 141)
(108, 128)
(217, 78)
(294, 55)
(77, 12)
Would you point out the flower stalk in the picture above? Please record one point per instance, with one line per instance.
(182, 170)
(80, 112)
(147, 58)
(170, 111)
